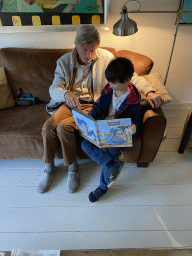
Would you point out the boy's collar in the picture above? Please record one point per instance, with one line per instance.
(133, 96)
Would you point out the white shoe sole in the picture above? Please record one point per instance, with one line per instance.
(113, 182)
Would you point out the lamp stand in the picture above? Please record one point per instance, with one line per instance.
(179, 14)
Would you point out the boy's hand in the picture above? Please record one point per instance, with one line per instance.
(133, 128)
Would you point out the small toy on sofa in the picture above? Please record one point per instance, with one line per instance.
(24, 99)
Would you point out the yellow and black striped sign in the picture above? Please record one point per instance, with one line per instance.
(38, 19)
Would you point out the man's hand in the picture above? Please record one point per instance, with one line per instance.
(133, 126)
(72, 101)
(154, 99)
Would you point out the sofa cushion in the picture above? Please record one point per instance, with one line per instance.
(155, 80)
(6, 98)
(32, 70)
(20, 131)
(142, 64)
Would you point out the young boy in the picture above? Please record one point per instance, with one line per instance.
(119, 99)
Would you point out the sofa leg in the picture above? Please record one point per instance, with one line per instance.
(142, 164)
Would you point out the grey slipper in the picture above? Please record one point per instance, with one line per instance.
(45, 182)
(73, 181)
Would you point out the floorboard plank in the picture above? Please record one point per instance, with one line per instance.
(96, 240)
(169, 145)
(95, 218)
(90, 174)
(118, 195)
(174, 133)
(163, 159)
(175, 122)
(26, 163)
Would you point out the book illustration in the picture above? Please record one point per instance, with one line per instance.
(104, 133)
(115, 132)
(85, 128)
(115, 139)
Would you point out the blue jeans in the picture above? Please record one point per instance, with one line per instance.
(101, 157)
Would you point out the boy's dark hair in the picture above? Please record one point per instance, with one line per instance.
(119, 70)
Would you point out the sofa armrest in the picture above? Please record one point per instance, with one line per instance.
(154, 123)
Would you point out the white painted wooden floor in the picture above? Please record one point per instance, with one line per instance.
(147, 208)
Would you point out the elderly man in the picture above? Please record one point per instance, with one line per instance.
(79, 79)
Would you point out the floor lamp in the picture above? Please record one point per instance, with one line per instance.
(126, 26)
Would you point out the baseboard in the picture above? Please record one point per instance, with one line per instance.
(173, 105)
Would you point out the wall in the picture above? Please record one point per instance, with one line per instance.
(179, 80)
(154, 39)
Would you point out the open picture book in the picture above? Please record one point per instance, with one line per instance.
(104, 133)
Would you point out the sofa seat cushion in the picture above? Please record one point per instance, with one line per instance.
(20, 131)
(20, 135)
(24, 120)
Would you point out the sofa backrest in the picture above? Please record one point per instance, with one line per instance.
(33, 69)
(142, 64)
(30, 69)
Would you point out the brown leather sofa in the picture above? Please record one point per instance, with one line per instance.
(33, 71)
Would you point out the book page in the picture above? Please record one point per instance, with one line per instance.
(86, 126)
(115, 132)
(82, 113)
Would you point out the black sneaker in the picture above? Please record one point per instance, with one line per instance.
(95, 195)
(114, 172)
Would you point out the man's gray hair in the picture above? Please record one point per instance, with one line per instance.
(87, 34)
